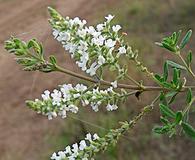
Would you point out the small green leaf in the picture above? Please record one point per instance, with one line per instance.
(189, 130)
(166, 111)
(177, 37)
(167, 85)
(164, 120)
(189, 96)
(52, 59)
(170, 48)
(175, 76)
(189, 58)
(161, 130)
(185, 39)
(175, 65)
(178, 117)
(159, 78)
(174, 94)
(166, 72)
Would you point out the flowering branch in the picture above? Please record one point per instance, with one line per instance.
(96, 49)
(92, 145)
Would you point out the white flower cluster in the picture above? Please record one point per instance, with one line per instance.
(66, 99)
(73, 152)
(91, 47)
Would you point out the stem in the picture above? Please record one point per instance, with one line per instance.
(134, 81)
(107, 83)
(187, 67)
(189, 105)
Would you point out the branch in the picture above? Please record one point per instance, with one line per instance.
(120, 85)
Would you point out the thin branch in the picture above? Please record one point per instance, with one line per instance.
(120, 85)
(187, 67)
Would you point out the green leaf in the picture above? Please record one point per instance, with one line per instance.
(189, 58)
(52, 59)
(175, 76)
(185, 39)
(174, 94)
(166, 111)
(178, 117)
(161, 130)
(189, 96)
(166, 72)
(168, 47)
(175, 65)
(164, 120)
(163, 99)
(177, 37)
(189, 130)
(167, 85)
(159, 78)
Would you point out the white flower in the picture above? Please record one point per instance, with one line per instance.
(76, 20)
(96, 34)
(55, 33)
(73, 108)
(95, 136)
(116, 28)
(110, 43)
(74, 153)
(109, 17)
(110, 89)
(98, 41)
(91, 30)
(122, 50)
(56, 95)
(110, 107)
(100, 27)
(61, 154)
(65, 88)
(82, 32)
(114, 84)
(70, 47)
(89, 137)
(46, 95)
(62, 113)
(75, 147)
(83, 61)
(95, 106)
(50, 115)
(76, 95)
(92, 69)
(101, 60)
(54, 156)
(68, 150)
(83, 46)
(80, 87)
(63, 36)
(82, 145)
(85, 102)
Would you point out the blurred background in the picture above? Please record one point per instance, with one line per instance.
(25, 135)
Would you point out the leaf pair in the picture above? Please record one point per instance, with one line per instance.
(30, 55)
(171, 42)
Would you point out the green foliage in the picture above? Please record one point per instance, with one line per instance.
(171, 43)
(189, 130)
(30, 55)
(185, 39)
